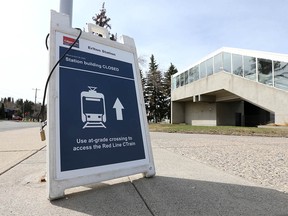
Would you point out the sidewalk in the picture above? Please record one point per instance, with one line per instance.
(17, 145)
(181, 187)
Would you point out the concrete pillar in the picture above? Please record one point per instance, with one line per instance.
(177, 112)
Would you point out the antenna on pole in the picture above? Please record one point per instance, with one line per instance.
(66, 7)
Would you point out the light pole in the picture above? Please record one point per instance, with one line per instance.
(66, 7)
(35, 106)
(35, 94)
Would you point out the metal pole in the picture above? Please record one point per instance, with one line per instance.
(35, 106)
(66, 7)
(35, 94)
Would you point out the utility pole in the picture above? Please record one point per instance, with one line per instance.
(35, 106)
(35, 94)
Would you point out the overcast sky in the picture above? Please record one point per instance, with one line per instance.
(178, 32)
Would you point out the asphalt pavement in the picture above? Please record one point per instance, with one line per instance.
(182, 186)
(15, 125)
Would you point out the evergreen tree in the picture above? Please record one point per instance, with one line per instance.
(143, 80)
(167, 89)
(2, 111)
(154, 92)
(20, 107)
(145, 92)
(28, 108)
(142, 63)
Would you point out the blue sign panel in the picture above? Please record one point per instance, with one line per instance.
(98, 111)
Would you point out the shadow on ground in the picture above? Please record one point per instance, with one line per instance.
(174, 196)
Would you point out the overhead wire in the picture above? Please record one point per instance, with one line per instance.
(41, 114)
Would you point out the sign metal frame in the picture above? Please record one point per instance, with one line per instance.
(61, 175)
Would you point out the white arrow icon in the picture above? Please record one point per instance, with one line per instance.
(118, 107)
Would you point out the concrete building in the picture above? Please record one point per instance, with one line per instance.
(232, 87)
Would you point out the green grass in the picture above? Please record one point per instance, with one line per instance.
(222, 130)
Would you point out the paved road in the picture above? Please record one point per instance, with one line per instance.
(14, 125)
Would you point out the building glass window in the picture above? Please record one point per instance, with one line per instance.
(195, 72)
(173, 84)
(218, 63)
(186, 77)
(227, 62)
(182, 79)
(237, 64)
(209, 66)
(249, 67)
(190, 75)
(177, 81)
(265, 71)
(202, 70)
(281, 75)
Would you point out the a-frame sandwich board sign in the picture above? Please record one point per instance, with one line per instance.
(97, 126)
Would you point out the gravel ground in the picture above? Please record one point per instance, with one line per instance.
(262, 160)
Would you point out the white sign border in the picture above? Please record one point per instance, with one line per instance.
(59, 181)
